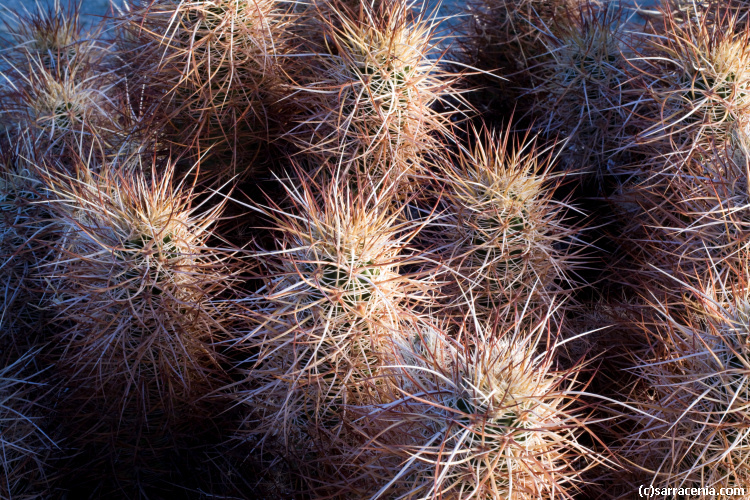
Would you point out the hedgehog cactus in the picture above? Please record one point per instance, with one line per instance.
(488, 418)
(580, 81)
(502, 40)
(135, 286)
(694, 85)
(24, 446)
(505, 229)
(688, 219)
(66, 112)
(507, 427)
(367, 96)
(680, 205)
(340, 260)
(24, 232)
(692, 389)
(333, 298)
(392, 329)
(55, 38)
(216, 63)
(55, 84)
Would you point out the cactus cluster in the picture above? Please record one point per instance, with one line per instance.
(335, 249)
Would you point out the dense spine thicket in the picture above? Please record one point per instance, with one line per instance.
(324, 249)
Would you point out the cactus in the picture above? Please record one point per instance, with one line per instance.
(691, 392)
(25, 232)
(332, 299)
(505, 230)
(139, 302)
(382, 316)
(502, 41)
(55, 38)
(215, 67)
(24, 446)
(580, 80)
(486, 418)
(134, 287)
(366, 95)
(692, 89)
(56, 85)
